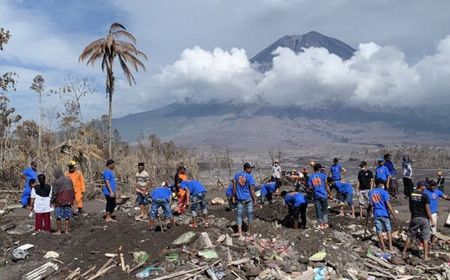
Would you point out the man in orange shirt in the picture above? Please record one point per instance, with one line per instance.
(78, 184)
(181, 194)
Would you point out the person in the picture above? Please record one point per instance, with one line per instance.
(392, 184)
(142, 182)
(363, 185)
(244, 196)
(63, 196)
(434, 194)
(161, 198)
(382, 173)
(297, 205)
(195, 193)
(336, 170)
(345, 195)
(41, 195)
(379, 202)
(276, 172)
(440, 181)
(28, 174)
(78, 184)
(421, 219)
(268, 189)
(181, 194)
(408, 185)
(109, 189)
(229, 194)
(321, 192)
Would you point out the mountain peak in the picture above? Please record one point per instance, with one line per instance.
(263, 60)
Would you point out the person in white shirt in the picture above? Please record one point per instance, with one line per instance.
(40, 202)
(142, 191)
(276, 172)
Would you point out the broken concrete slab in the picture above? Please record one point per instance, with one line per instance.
(208, 254)
(318, 257)
(185, 238)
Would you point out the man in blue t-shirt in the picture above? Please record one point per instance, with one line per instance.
(344, 194)
(434, 194)
(28, 174)
(195, 193)
(268, 189)
(321, 192)
(382, 173)
(336, 170)
(229, 194)
(392, 186)
(109, 189)
(161, 197)
(244, 196)
(297, 205)
(379, 201)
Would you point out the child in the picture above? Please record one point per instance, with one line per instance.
(297, 206)
(161, 197)
(345, 195)
(40, 202)
(62, 198)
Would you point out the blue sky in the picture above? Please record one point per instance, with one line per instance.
(49, 35)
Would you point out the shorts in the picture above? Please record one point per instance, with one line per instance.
(346, 198)
(63, 212)
(419, 227)
(435, 220)
(199, 200)
(155, 207)
(383, 224)
(363, 198)
(141, 199)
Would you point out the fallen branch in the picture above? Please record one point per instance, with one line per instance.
(238, 262)
(100, 273)
(88, 271)
(387, 273)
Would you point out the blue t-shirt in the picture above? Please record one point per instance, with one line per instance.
(229, 191)
(108, 175)
(29, 174)
(336, 172)
(161, 193)
(382, 173)
(317, 181)
(378, 198)
(343, 188)
(244, 181)
(434, 199)
(270, 187)
(390, 166)
(294, 199)
(194, 187)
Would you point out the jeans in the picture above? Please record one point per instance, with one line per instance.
(321, 205)
(199, 200)
(160, 203)
(382, 224)
(248, 204)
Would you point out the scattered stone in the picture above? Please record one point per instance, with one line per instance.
(185, 238)
(51, 255)
(7, 226)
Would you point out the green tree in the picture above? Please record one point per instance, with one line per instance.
(120, 44)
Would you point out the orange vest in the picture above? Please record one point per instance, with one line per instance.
(77, 180)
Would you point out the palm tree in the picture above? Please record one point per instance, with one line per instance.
(38, 87)
(118, 43)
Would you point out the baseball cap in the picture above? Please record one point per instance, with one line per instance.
(380, 159)
(248, 165)
(72, 163)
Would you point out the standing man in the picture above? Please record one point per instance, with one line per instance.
(62, 198)
(363, 186)
(28, 174)
(379, 201)
(434, 194)
(195, 193)
(440, 181)
(407, 176)
(142, 182)
(419, 225)
(109, 189)
(276, 172)
(336, 170)
(78, 184)
(244, 196)
(382, 173)
(392, 185)
(321, 192)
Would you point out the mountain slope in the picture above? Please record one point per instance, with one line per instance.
(263, 60)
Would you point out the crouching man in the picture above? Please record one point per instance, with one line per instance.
(297, 205)
(345, 195)
(196, 194)
(267, 191)
(161, 198)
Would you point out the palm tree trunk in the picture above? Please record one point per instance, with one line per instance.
(110, 125)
